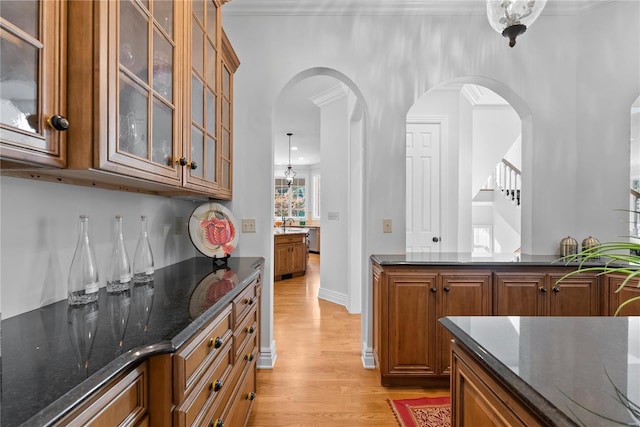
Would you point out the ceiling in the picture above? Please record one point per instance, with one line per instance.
(295, 111)
(388, 7)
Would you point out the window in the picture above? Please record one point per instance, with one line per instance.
(482, 239)
(290, 201)
(316, 197)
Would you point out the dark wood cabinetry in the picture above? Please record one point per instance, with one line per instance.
(617, 295)
(290, 255)
(538, 293)
(409, 345)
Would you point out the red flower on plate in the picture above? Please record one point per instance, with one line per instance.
(218, 231)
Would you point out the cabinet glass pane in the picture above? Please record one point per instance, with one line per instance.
(198, 9)
(18, 83)
(134, 40)
(225, 174)
(226, 121)
(197, 59)
(145, 3)
(162, 66)
(210, 169)
(211, 21)
(133, 119)
(226, 137)
(211, 112)
(211, 64)
(163, 14)
(197, 142)
(226, 82)
(197, 101)
(24, 14)
(162, 133)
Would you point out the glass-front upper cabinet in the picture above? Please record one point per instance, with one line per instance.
(230, 64)
(147, 108)
(33, 83)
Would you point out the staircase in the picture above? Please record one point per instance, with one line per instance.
(508, 179)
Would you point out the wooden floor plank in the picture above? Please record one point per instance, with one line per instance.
(318, 379)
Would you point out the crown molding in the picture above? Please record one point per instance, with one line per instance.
(330, 95)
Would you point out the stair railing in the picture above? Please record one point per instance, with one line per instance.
(509, 180)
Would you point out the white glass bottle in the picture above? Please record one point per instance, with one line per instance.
(83, 284)
(119, 272)
(143, 271)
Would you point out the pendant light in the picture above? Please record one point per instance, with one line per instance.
(512, 17)
(289, 173)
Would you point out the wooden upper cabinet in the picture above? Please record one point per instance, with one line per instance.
(33, 84)
(147, 87)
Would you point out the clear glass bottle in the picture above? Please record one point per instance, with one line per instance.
(83, 284)
(143, 271)
(119, 272)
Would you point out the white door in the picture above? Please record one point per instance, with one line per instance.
(423, 187)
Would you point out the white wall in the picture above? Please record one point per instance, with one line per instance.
(39, 229)
(574, 77)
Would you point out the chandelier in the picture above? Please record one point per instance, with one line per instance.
(511, 17)
(289, 173)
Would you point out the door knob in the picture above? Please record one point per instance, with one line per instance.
(58, 122)
(436, 239)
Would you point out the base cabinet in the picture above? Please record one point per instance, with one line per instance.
(618, 294)
(290, 255)
(477, 399)
(410, 347)
(122, 402)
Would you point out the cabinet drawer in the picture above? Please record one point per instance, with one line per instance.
(214, 387)
(194, 357)
(285, 239)
(238, 412)
(245, 332)
(244, 302)
(124, 402)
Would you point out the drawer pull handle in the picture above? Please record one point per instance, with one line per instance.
(248, 301)
(249, 357)
(215, 343)
(216, 386)
(250, 330)
(217, 423)
(251, 396)
(543, 289)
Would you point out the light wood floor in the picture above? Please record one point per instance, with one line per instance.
(318, 378)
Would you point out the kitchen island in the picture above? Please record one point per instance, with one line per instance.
(547, 371)
(290, 251)
(159, 340)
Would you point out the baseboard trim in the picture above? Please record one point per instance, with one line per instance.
(368, 361)
(268, 356)
(333, 296)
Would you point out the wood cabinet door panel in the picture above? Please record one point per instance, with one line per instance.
(617, 296)
(412, 305)
(521, 294)
(463, 294)
(574, 296)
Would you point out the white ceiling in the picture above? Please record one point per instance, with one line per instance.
(296, 113)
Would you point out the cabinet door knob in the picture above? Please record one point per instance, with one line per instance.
(182, 161)
(193, 165)
(251, 396)
(447, 289)
(248, 301)
(434, 289)
(58, 122)
(436, 239)
(556, 289)
(249, 357)
(543, 289)
(215, 343)
(250, 330)
(216, 423)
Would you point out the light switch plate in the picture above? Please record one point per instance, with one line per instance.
(386, 226)
(248, 225)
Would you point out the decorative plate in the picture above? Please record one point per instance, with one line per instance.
(213, 230)
(210, 290)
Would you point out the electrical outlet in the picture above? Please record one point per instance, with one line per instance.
(248, 225)
(178, 226)
(386, 226)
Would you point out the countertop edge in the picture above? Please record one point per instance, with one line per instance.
(516, 385)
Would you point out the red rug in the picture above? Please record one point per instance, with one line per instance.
(422, 412)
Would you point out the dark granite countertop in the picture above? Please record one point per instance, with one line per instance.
(467, 259)
(49, 362)
(567, 368)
